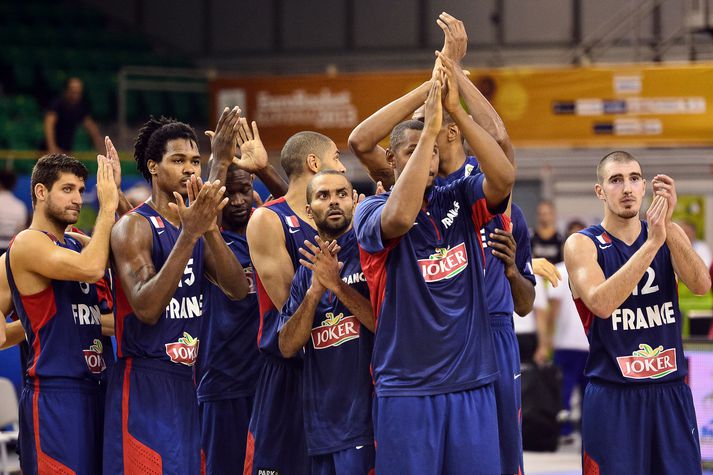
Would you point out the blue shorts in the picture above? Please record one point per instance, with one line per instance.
(353, 461)
(639, 428)
(276, 439)
(61, 427)
(444, 433)
(507, 393)
(224, 433)
(151, 424)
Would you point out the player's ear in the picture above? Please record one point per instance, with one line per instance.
(152, 166)
(313, 163)
(40, 192)
(391, 158)
(599, 191)
(308, 208)
(453, 132)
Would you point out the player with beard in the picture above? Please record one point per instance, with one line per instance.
(328, 314)
(275, 232)
(637, 411)
(51, 276)
(433, 349)
(160, 253)
(229, 361)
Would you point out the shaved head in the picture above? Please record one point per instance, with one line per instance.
(617, 156)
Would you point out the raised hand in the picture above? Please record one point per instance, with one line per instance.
(357, 197)
(664, 186)
(107, 192)
(503, 247)
(656, 217)
(452, 100)
(205, 203)
(223, 143)
(322, 261)
(112, 157)
(253, 156)
(546, 270)
(455, 44)
(433, 110)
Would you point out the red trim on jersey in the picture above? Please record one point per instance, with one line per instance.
(249, 454)
(264, 304)
(589, 465)
(481, 216)
(433, 221)
(203, 469)
(507, 222)
(585, 315)
(281, 199)
(45, 463)
(374, 268)
(40, 308)
(122, 309)
(104, 293)
(139, 459)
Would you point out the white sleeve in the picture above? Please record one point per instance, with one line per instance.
(541, 298)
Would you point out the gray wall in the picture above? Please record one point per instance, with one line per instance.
(221, 28)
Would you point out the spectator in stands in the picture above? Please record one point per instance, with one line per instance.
(13, 217)
(570, 343)
(64, 116)
(701, 247)
(546, 241)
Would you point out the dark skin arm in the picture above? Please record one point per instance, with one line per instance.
(221, 266)
(405, 201)
(147, 291)
(504, 248)
(364, 139)
(498, 170)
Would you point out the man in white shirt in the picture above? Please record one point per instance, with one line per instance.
(13, 217)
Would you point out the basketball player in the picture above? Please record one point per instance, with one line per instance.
(433, 350)
(275, 232)
(51, 276)
(637, 414)
(510, 287)
(229, 361)
(328, 314)
(160, 252)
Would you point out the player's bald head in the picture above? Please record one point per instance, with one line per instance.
(298, 147)
(617, 156)
(398, 133)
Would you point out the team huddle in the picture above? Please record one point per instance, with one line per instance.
(328, 333)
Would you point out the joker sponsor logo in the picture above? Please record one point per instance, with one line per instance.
(648, 362)
(445, 263)
(183, 351)
(335, 330)
(94, 357)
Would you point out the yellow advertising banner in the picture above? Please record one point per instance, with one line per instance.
(575, 107)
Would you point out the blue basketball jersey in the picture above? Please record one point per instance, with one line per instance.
(337, 389)
(641, 341)
(496, 284)
(470, 167)
(175, 337)
(428, 293)
(62, 324)
(229, 361)
(296, 233)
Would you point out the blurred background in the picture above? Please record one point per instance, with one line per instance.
(572, 80)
